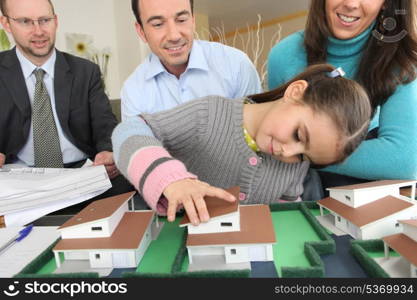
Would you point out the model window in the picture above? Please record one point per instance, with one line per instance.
(97, 228)
(347, 198)
(397, 224)
(226, 224)
(233, 251)
(338, 219)
(97, 256)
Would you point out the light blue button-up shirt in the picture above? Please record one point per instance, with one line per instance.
(213, 69)
(70, 153)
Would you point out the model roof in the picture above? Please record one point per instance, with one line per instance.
(218, 207)
(99, 209)
(412, 222)
(256, 227)
(372, 184)
(367, 213)
(127, 235)
(405, 246)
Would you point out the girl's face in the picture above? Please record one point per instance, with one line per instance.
(292, 131)
(349, 18)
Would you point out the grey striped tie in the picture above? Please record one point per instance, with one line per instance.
(45, 135)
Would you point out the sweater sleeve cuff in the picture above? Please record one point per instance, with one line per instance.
(159, 179)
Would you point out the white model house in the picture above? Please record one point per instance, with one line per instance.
(107, 234)
(234, 234)
(370, 210)
(404, 244)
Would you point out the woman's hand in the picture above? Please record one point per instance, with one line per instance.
(190, 193)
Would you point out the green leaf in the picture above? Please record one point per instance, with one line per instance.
(4, 41)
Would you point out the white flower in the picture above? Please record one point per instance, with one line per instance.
(80, 45)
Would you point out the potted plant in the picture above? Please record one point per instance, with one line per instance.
(4, 41)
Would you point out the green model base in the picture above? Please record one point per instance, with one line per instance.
(300, 242)
(365, 251)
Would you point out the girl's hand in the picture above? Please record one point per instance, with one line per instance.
(190, 193)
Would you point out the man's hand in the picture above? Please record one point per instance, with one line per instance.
(106, 158)
(190, 193)
(2, 159)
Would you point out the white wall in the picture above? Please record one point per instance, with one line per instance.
(386, 226)
(130, 48)
(410, 231)
(105, 260)
(117, 216)
(340, 195)
(366, 196)
(241, 254)
(85, 230)
(143, 245)
(214, 225)
(77, 255)
(268, 36)
(96, 18)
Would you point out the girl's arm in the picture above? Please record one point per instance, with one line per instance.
(150, 168)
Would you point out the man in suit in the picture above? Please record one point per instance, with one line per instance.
(54, 112)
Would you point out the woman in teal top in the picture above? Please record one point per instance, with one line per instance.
(375, 42)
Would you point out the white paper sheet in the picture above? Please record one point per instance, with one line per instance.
(23, 217)
(27, 194)
(15, 258)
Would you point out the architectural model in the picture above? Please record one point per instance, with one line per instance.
(235, 236)
(404, 244)
(369, 210)
(107, 235)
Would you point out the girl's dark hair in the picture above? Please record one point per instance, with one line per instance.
(136, 10)
(383, 65)
(343, 100)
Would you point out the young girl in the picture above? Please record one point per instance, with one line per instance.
(266, 147)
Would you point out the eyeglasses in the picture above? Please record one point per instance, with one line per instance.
(29, 23)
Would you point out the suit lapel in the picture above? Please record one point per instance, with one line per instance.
(12, 76)
(63, 87)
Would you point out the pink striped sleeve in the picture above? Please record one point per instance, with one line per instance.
(156, 179)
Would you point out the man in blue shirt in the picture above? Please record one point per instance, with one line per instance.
(180, 68)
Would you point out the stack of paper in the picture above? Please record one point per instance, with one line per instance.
(29, 193)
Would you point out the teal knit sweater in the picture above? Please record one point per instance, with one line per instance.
(393, 155)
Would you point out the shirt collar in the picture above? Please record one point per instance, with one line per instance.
(197, 61)
(197, 58)
(28, 67)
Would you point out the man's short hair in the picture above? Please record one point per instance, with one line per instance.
(4, 10)
(135, 8)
